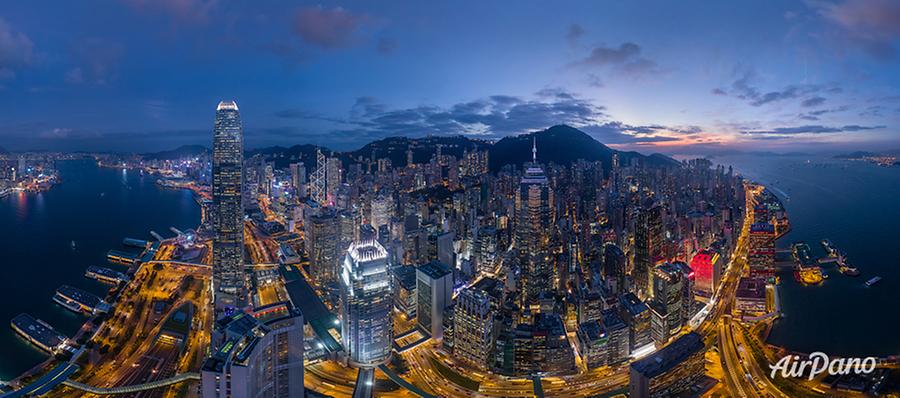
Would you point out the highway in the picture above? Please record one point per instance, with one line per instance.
(365, 382)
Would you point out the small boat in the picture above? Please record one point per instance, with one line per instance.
(873, 281)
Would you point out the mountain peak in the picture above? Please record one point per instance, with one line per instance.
(561, 144)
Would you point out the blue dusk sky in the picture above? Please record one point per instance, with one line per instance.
(656, 76)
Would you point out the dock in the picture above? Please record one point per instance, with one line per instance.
(105, 275)
(38, 333)
(121, 257)
(78, 300)
(136, 243)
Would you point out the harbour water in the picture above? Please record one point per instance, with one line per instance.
(94, 207)
(855, 204)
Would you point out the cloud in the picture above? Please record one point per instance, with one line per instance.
(813, 101)
(744, 88)
(814, 115)
(181, 10)
(873, 25)
(16, 50)
(96, 62)
(574, 33)
(366, 107)
(497, 115)
(328, 28)
(493, 116)
(614, 133)
(810, 129)
(625, 59)
(595, 81)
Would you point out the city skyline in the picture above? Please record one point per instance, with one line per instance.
(785, 76)
(477, 199)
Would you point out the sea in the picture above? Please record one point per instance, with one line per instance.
(94, 207)
(856, 205)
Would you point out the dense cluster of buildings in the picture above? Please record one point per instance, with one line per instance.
(516, 271)
(27, 171)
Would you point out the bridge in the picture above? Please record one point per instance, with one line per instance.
(365, 381)
(133, 388)
(199, 265)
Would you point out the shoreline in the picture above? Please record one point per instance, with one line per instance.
(87, 329)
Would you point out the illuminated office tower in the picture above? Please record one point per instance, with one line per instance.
(256, 358)
(666, 307)
(228, 213)
(761, 256)
(707, 266)
(298, 179)
(614, 269)
(434, 293)
(486, 250)
(669, 372)
(367, 327)
(333, 179)
(534, 218)
(647, 246)
(317, 180)
(382, 210)
(322, 244)
(473, 328)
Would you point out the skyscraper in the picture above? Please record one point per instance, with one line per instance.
(647, 245)
(228, 213)
(317, 188)
(613, 269)
(434, 290)
(666, 307)
(333, 179)
(256, 359)
(473, 328)
(367, 328)
(707, 265)
(322, 244)
(534, 218)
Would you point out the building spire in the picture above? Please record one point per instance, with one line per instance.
(534, 150)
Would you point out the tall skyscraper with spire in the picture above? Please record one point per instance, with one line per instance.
(228, 213)
(534, 219)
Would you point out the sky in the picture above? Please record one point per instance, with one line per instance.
(655, 76)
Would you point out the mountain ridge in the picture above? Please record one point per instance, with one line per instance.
(560, 144)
